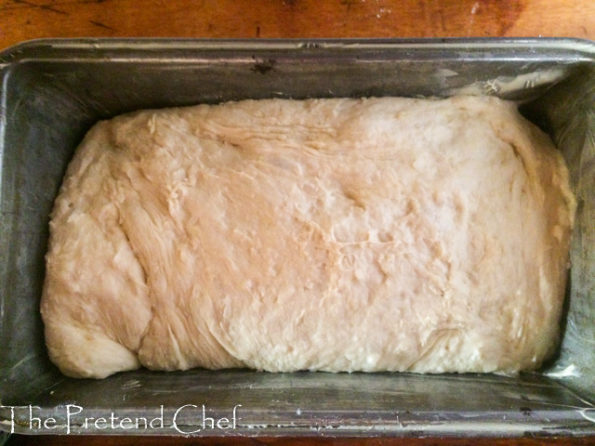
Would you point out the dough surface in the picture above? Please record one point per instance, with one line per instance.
(382, 234)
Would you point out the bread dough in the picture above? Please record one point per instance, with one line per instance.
(382, 234)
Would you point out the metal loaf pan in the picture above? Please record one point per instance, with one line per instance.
(52, 91)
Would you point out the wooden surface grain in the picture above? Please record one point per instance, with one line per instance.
(28, 19)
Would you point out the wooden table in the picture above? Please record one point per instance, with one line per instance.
(28, 19)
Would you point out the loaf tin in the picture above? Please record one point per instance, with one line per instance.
(52, 91)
